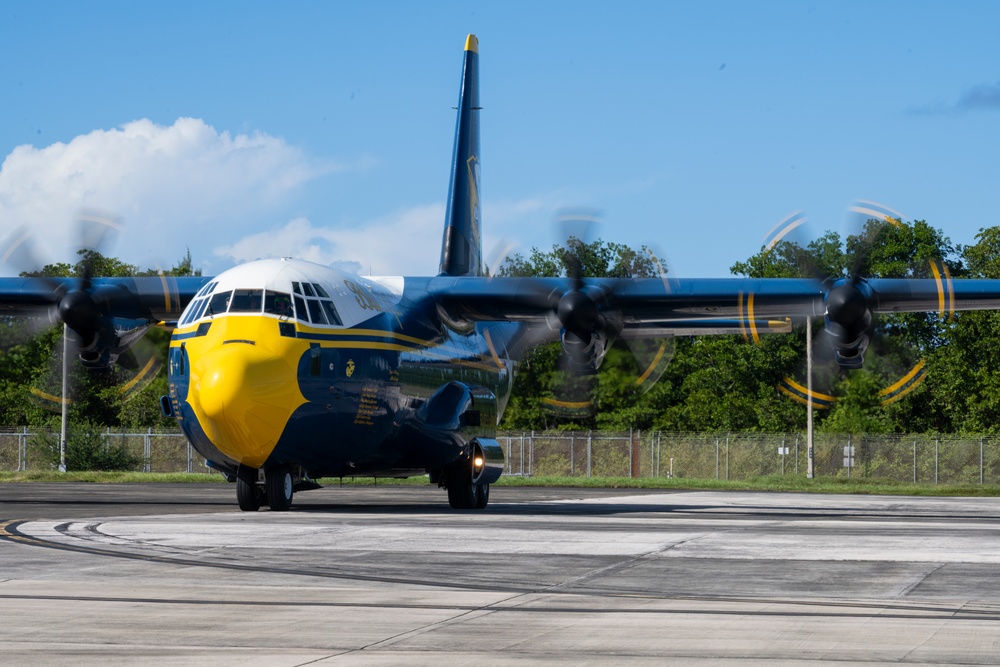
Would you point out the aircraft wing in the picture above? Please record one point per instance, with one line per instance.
(153, 298)
(698, 306)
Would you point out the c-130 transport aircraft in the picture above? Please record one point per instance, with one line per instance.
(283, 371)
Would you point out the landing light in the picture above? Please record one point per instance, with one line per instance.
(478, 461)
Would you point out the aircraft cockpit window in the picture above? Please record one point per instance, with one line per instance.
(189, 314)
(277, 303)
(296, 288)
(247, 301)
(307, 288)
(218, 304)
(331, 313)
(206, 290)
(197, 310)
(315, 310)
(300, 309)
(320, 291)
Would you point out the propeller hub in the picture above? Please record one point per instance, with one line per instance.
(578, 312)
(82, 315)
(846, 305)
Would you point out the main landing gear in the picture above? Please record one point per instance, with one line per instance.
(468, 482)
(275, 490)
(463, 493)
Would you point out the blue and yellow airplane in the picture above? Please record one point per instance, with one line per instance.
(283, 371)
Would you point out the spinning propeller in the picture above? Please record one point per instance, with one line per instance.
(589, 320)
(877, 243)
(111, 345)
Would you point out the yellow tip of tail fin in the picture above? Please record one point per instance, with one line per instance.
(472, 44)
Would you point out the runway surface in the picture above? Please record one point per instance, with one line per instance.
(173, 574)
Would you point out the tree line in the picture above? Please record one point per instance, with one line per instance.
(705, 383)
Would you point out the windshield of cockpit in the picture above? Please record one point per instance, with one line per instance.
(310, 303)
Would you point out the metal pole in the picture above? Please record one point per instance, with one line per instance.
(980, 460)
(631, 446)
(810, 455)
(796, 453)
(727, 457)
(65, 393)
(850, 456)
(572, 446)
(659, 452)
(522, 453)
(716, 458)
(914, 460)
(589, 458)
(652, 458)
(782, 456)
(531, 452)
(935, 460)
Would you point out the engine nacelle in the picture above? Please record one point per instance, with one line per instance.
(849, 322)
(586, 351)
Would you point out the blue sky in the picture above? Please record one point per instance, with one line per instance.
(324, 129)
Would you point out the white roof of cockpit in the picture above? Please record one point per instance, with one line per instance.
(279, 274)
(276, 274)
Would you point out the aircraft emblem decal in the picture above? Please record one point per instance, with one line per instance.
(350, 367)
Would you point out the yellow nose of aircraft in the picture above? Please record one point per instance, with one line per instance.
(243, 396)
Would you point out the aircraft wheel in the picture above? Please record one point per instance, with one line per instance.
(279, 488)
(482, 496)
(462, 493)
(247, 493)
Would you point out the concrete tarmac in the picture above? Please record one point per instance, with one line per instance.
(174, 574)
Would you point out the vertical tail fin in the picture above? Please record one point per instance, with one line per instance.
(462, 248)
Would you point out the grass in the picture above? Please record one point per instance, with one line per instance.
(111, 477)
(789, 483)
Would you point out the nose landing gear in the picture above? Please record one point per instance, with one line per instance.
(276, 489)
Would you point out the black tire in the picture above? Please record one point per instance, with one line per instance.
(462, 492)
(482, 496)
(279, 488)
(247, 492)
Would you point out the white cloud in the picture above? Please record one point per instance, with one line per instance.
(169, 183)
(407, 242)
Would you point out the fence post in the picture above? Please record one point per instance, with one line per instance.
(783, 456)
(589, 434)
(652, 457)
(572, 446)
(631, 453)
(796, 453)
(980, 460)
(727, 457)
(531, 452)
(914, 460)
(659, 452)
(716, 458)
(935, 460)
(850, 456)
(147, 449)
(522, 453)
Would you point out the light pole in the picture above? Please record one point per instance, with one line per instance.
(810, 471)
(65, 401)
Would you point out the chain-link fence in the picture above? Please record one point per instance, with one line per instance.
(735, 456)
(153, 451)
